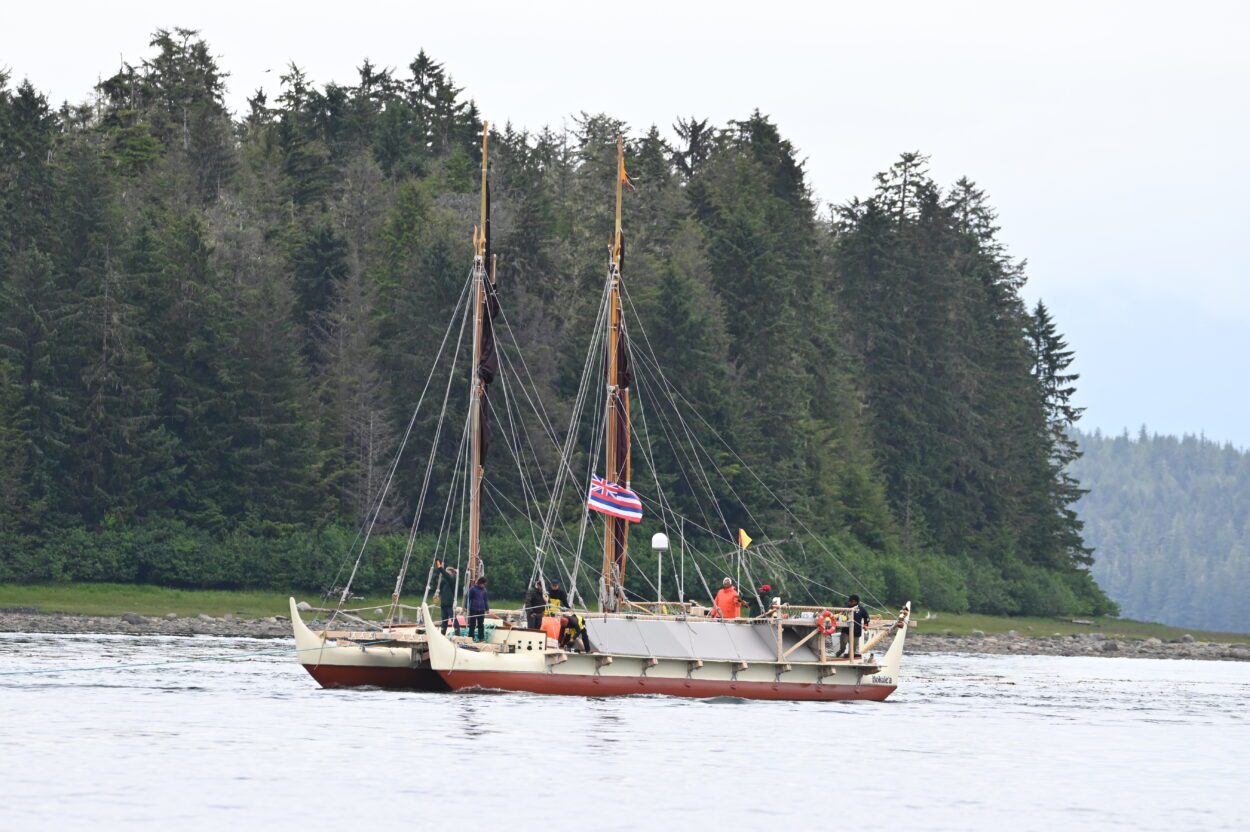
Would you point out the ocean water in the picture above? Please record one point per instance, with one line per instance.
(236, 736)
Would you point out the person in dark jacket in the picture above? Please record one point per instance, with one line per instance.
(479, 604)
(446, 592)
(556, 596)
(859, 620)
(535, 600)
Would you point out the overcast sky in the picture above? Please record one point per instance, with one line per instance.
(1111, 136)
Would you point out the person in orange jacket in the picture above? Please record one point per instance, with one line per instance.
(728, 602)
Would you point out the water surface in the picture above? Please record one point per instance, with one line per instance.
(968, 742)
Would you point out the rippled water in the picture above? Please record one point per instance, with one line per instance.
(968, 742)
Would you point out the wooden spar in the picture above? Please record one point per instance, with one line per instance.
(615, 530)
(475, 387)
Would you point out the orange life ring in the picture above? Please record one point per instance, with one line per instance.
(826, 622)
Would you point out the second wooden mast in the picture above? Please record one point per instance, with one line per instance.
(485, 362)
(616, 416)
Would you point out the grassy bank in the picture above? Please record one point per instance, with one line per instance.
(115, 599)
(962, 624)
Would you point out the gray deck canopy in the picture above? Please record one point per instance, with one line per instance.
(707, 640)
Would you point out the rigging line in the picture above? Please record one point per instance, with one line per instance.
(751, 471)
(529, 483)
(565, 469)
(649, 456)
(543, 418)
(411, 540)
(680, 450)
(523, 461)
(599, 419)
(467, 451)
(521, 466)
(529, 490)
(733, 491)
(694, 444)
(399, 453)
(526, 489)
(491, 493)
(796, 574)
(444, 526)
(429, 469)
(539, 409)
(741, 559)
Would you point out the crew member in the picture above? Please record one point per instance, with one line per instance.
(728, 602)
(479, 604)
(535, 600)
(573, 629)
(557, 599)
(446, 592)
(859, 620)
(766, 597)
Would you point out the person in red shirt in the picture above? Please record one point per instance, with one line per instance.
(728, 602)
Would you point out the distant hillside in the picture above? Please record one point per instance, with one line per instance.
(1169, 520)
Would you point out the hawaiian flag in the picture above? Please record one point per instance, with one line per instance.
(617, 500)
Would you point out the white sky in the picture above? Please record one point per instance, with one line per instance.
(1111, 136)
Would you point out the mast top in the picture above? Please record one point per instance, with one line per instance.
(479, 233)
(620, 183)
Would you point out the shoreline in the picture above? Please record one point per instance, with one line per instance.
(273, 627)
(1081, 644)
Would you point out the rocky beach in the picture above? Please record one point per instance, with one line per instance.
(21, 620)
(1081, 644)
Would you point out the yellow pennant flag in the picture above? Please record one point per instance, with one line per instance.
(744, 539)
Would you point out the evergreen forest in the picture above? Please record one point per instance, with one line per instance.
(1170, 522)
(214, 327)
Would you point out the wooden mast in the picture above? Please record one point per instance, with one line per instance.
(476, 389)
(616, 418)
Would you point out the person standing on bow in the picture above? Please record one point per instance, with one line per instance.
(728, 602)
(535, 600)
(859, 620)
(479, 605)
(446, 592)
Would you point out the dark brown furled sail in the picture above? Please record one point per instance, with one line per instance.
(617, 422)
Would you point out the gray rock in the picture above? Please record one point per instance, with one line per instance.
(1152, 642)
(134, 618)
(1012, 634)
(978, 634)
(1098, 636)
(171, 616)
(1110, 646)
(1187, 639)
(205, 618)
(303, 606)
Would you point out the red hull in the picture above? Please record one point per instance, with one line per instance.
(393, 678)
(569, 685)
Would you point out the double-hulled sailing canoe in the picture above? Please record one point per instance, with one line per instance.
(669, 648)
